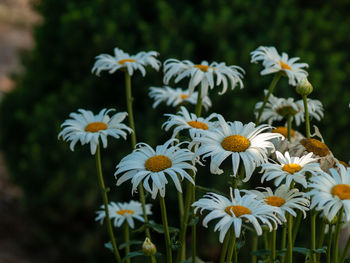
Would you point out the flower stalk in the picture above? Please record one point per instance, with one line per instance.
(336, 234)
(272, 86)
(126, 240)
(313, 234)
(105, 203)
(232, 248)
(166, 230)
(307, 119)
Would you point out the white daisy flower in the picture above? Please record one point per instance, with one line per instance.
(119, 212)
(290, 169)
(144, 163)
(188, 121)
(175, 97)
(235, 211)
(330, 192)
(122, 60)
(315, 109)
(277, 109)
(283, 200)
(242, 142)
(203, 74)
(273, 63)
(89, 128)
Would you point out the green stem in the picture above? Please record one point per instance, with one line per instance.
(129, 101)
(224, 247)
(105, 203)
(181, 206)
(329, 247)
(127, 239)
(266, 241)
(345, 251)
(232, 248)
(273, 244)
(296, 226)
(290, 239)
(307, 120)
(283, 244)
(183, 230)
(198, 109)
(255, 241)
(166, 230)
(321, 239)
(336, 237)
(289, 126)
(313, 234)
(270, 90)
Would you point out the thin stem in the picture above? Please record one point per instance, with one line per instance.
(289, 126)
(270, 90)
(126, 240)
(105, 203)
(166, 230)
(129, 101)
(307, 120)
(183, 230)
(181, 206)
(321, 239)
(254, 246)
(232, 248)
(329, 247)
(296, 226)
(313, 234)
(345, 251)
(224, 247)
(266, 241)
(273, 244)
(336, 237)
(283, 244)
(290, 239)
(198, 109)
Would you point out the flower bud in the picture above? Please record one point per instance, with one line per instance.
(304, 87)
(148, 248)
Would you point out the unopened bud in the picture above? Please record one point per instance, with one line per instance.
(304, 87)
(148, 248)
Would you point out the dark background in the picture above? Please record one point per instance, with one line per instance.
(60, 193)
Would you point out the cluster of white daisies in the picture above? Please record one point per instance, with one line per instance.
(302, 163)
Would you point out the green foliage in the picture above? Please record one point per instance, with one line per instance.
(60, 186)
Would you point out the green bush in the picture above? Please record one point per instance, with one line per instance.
(60, 186)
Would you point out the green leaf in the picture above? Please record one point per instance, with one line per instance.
(160, 229)
(193, 221)
(109, 246)
(240, 244)
(320, 250)
(133, 254)
(131, 242)
(347, 260)
(301, 250)
(261, 253)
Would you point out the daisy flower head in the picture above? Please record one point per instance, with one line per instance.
(290, 169)
(330, 192)
(284, 145)
(121, 212)
(145, 163)
(283, 200)
(236, 211)
(241, 142)
(175, 97)
(86, 127)
(203, 74)
(184, 120)
(274, 62)
(122, 60)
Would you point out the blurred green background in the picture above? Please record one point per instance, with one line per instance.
(60, 192)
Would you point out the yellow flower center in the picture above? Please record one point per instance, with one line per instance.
(158, 163)
(95, 126)
(342, 191)
(235, 143)
(274, 201)
(203, 68)
(126, 60)
(238, 210)
(285, 66)
(284, 131)
(125, 211)
(291, 168)
(184, 96)
(198, 125)
(315, 146)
